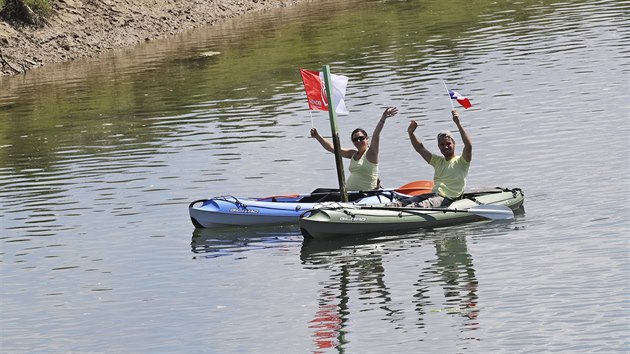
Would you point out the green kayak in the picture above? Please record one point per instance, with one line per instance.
(334, 219)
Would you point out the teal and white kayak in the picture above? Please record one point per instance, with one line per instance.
(334, 219)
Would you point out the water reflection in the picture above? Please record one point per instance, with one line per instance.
(359, 282)
(235, 241)
(455, 267)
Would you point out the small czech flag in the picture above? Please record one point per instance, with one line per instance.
(463, 101)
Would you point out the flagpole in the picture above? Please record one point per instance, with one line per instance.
(448, 93)
(335, 134)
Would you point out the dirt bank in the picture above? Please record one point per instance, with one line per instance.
(86, 28)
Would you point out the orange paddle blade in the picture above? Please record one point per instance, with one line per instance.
(415, 188)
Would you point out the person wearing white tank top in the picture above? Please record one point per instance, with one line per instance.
(364, 155)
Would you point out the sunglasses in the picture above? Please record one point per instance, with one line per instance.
(358, 138)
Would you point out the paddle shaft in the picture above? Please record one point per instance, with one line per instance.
(412, 209)
(486, 211)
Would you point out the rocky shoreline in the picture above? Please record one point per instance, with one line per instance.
(87, 28)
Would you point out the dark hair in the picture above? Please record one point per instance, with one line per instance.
(357, 131)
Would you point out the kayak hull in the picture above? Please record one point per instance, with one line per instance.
(342, 219)
(230, 210)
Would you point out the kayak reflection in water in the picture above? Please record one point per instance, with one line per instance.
(450, 170)
(364, 156)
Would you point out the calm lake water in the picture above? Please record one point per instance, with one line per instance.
(99, 160)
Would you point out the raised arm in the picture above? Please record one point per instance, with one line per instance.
(417, 144)
(467, 152)
(328, 145)
(372, 154)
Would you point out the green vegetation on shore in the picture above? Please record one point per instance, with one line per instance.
(25, 11)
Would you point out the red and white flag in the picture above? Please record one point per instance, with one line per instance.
(463, 101)
(316, 91)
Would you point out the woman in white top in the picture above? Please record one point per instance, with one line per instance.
(363, 157)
